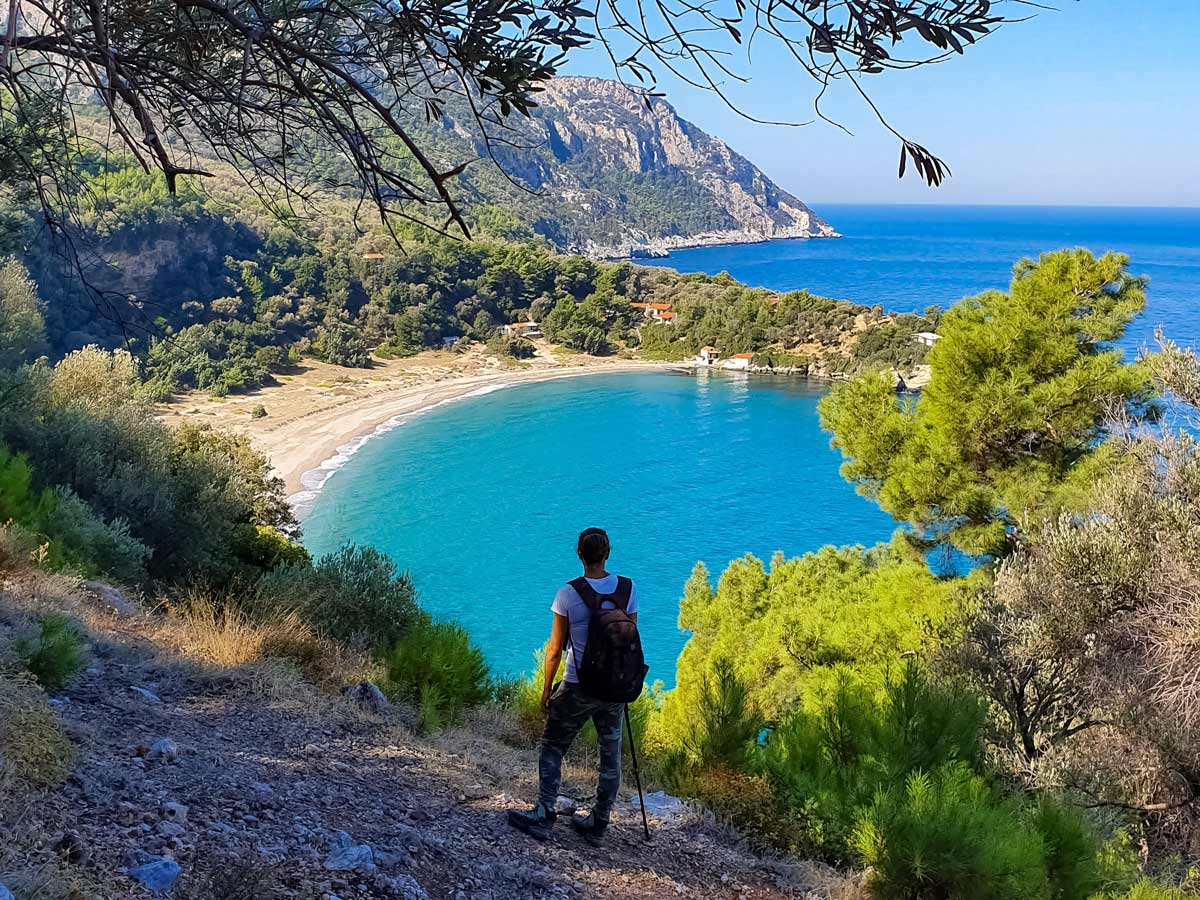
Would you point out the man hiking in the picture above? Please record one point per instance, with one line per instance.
(595, 617)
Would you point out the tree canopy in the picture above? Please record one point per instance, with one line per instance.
(1021, 387)
(22, 327)
(306, 96)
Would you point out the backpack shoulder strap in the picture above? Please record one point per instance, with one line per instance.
(586, 592)
(624, 592)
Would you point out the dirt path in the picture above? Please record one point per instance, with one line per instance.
(269, 771)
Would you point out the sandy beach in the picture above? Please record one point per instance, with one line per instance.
(321, 411)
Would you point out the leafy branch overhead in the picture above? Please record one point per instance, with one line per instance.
(307, 97)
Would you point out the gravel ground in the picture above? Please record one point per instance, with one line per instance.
(260, 787)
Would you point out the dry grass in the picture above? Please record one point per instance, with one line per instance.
(34, 748)
(223, 635)
(47, 878)
(236, 878)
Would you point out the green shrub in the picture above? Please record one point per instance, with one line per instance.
(268, 549)
(523, 698)
(724, 728)
(342, 345)
(55, 654)
(436, 667)
(747, 802)
(258, 411)
(946, 836)
(829, 764)
(191, 494)
(1071, 848)
(431, 709)
(1148, 890)
(507, 690)
(788, 629)
(78, 539)
(17, 545)
(509, 345)
(18, 499)
(22, 324)
(92, 546)
(354, 595)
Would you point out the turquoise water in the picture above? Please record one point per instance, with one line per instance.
(482, 499)
(910, 257)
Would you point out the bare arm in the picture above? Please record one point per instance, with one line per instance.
(559, 631)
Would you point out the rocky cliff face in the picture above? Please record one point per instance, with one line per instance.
(592, 124)
(612, 177)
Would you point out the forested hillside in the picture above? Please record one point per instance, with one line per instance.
(210, 291)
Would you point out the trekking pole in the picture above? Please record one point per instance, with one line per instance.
(637, 777)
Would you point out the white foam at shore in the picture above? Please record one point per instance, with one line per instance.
(315, 479)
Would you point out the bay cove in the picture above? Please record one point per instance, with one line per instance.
(482, 499)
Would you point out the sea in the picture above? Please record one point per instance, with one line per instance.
(481, 499)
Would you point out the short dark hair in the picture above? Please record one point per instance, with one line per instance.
(593, 546)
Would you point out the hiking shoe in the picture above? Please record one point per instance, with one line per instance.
(592, 831)
(535, 822)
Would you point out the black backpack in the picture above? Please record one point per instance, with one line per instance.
(613, 668)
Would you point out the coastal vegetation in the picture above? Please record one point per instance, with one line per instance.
(208, 293)
(1023, 387)
(1013, 732)
(1019, 727)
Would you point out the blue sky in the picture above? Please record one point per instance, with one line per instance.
(1096, 102)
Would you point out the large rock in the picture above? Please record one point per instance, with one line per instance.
(659, 805)
(158, 873)
(176, 813)
(112, 597)
(402, 887)
(163, 750)
(368, 696)
(346, 856)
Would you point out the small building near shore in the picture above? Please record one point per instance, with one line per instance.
(708, 356)
(656, 312)
(528, 329)
(928, 338)
(738, 361)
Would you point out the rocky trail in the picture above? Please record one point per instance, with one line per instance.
(223, 783)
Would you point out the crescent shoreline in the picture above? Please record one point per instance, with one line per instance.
(311, 429)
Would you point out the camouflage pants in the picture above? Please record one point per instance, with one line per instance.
(570, 710)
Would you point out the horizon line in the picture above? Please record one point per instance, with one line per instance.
(1183, 208)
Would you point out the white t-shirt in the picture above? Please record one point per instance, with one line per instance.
(567, 602)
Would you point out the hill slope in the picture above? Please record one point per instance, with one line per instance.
(607, 176)
(247, 784)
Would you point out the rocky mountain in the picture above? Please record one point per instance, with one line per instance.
(603, 174)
